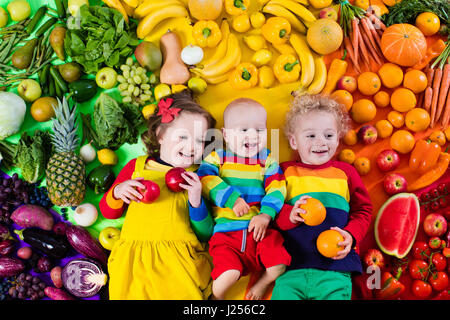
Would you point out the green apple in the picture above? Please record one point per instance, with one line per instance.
(29, 90)
(106, 78)
(108, 236)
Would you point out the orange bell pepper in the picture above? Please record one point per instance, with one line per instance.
(276, 30)
(432, 175)
(391, 287)
(245, 76)
(424, 155)
(432, 52)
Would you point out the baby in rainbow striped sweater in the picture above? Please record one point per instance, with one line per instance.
(245, 185)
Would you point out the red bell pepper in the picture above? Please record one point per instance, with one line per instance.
(391, 287)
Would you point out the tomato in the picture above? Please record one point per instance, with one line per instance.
(418, 269)
(434, 193)
(435, 243)
(421, 250)
(435, 205)
(443, 202)
(425, 197)
(442, 188)
(421, 289)
(439, 280)
(439, 261)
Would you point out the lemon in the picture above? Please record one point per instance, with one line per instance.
(266, 78)
(255, 42)
(261, 57)
(257, 19)
(197, 85)
(320, 4)
(148, 111)
(3, 17)
(74, 6)
(241, 23)
(162, 90)
(107, 156)
(178, 88)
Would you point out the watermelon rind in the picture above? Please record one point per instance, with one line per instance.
(382, 211)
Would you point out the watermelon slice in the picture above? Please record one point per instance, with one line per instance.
(397, 223)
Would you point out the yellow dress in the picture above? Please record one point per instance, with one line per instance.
(158, 256)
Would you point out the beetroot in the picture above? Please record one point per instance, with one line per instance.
(82, 241)
(10, 266)
(31, 215)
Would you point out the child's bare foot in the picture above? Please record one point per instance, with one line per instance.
(257, 291)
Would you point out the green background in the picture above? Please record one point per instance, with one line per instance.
(125, 153)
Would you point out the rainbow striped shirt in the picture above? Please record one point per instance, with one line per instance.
(258, 180)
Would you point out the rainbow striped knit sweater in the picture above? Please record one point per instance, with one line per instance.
(226, 177)
(340, 188)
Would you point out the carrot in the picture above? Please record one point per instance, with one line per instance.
(427, 98)
(376, 21)
(446, 116)
(375, 35)
(370, 46)
(355, 38)
(445, 83)
(348, 46)
(369, 34)
(363, 48)
(436, 84)
(430, 73)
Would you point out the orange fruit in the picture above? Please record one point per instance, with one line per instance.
(315, 212)
(327, 243)
(415, 80)
(362, 165)
(381, 99)
(343, 97)
(438, 136)
(363, 4)
(391, 75)
(350, 137)
(396, 119)
(363, 110)
(447, 133)
(403, 100)
(41, 110)
(428, 23)
(402, 141)
(390, 3)
(417, 119)
(384, 128)
(368, 83)
(347, 155)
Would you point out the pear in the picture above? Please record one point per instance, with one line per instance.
(148, 55)
(70, 71)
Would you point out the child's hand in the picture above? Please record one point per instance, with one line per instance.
(347, 243)
(295, 217)
(240, 207)
(258, 224)
(194, 188)
(127, 190)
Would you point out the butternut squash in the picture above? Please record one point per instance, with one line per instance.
(173, 70)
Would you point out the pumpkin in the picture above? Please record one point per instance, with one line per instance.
(173, 70)
(403, 44)
(205, 9)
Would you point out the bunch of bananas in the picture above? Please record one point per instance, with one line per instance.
(294, 11)
(226, 57)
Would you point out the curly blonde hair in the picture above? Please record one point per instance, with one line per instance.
(306, 103)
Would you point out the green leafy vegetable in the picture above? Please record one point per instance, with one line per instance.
(101, 38)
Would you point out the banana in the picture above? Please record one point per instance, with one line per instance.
(132, 3)
(221, 48)
(281, 11)
(231, 60)
(304, 53)
(284, 48)
(303, 2)
(219, 79)
(296, 8)
(149, 22)
(147, 7)
(320, 75)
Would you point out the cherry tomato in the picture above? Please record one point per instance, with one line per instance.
(439, 261)
(435, 243)
(442, 188)
(418, 269)
(425, 208)
(434, 205)
(421, 289)
(434, 193)
(443, 202)
(425, 197)
(439, 280)
(421, 250)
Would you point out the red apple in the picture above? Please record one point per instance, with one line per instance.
(394, 183)
(151, 191)
(347, 83)
(367, 134)
(328, 13)
(174, 178)
(388, 160)
(434, 225)
(374, 257)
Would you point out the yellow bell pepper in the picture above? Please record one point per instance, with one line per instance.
(206, 33)
(276, 30)
(286, 68)
(236, 7)
(245, 76)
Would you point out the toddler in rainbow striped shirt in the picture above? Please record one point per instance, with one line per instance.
(246, 188)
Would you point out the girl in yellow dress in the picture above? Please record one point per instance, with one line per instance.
(160, 253)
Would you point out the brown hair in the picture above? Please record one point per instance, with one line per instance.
(183, 100)
(306, 103)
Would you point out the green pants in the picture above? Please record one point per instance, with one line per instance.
(313, 284)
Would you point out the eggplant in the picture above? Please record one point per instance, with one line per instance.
(10, 266)
(46, 241)
(82, 241)
(6, 247)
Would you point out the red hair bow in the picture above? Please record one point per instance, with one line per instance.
(164, 110)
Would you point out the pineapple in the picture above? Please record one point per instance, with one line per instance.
(66, 173)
